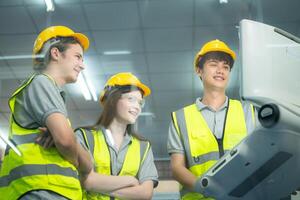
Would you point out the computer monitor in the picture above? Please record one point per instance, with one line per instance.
(270, 65)
(266, 164)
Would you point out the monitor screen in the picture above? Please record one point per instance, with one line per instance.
(270, 65)
(265, 165)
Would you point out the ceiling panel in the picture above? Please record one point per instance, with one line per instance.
(278, 11)
(135, 63)
(210, 12)
(65, 14)
(159, 14)
(56, 2)
(112, 15)
(16, 45)
(123, 40)
(170, 62)
(15, 20)
(11, 2)
(171, 81)
(169, 39)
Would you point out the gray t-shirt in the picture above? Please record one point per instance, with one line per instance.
(147, 169)
(33, 105)
(37, 101)
(214, 120)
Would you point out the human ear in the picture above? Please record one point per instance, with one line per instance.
(54, 52)
(199, 72)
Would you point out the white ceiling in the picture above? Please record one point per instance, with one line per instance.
(163, 36)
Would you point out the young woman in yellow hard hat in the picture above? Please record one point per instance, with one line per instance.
(124, 165)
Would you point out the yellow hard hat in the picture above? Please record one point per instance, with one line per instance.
(58, 31)
(125, 79)
(214, 45)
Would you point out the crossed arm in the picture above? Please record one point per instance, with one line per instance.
(66, 144)
(124, 187)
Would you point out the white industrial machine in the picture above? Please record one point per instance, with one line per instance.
(266, 164)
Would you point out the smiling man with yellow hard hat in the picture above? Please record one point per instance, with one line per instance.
(199, 134)
(46, 173)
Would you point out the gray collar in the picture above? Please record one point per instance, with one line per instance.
(126, 141)
(201, 106)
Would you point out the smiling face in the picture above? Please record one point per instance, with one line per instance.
(214, 74)
(129, 107)
(70, 63)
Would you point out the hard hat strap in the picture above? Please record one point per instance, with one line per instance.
(48, 45)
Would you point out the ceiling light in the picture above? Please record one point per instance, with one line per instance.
(86, 87)
(116, 52)
(15, 57)
(223, 1)
(90, 87)
(49, 5)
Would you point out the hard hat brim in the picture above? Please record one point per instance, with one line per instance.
(201, 54)
(145, 89)
(82, 39)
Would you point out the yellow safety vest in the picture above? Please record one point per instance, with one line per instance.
(135, 156)
(201, 146)
(37, 168)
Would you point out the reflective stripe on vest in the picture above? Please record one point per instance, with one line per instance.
(101, 155)
(37, 168)
(29, 170)
(201, 147)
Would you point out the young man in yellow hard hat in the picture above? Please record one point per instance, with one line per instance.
(199, 134)
(41, 173)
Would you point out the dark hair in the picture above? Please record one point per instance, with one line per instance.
(109, 111)
(62, 45)
(216, 55)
